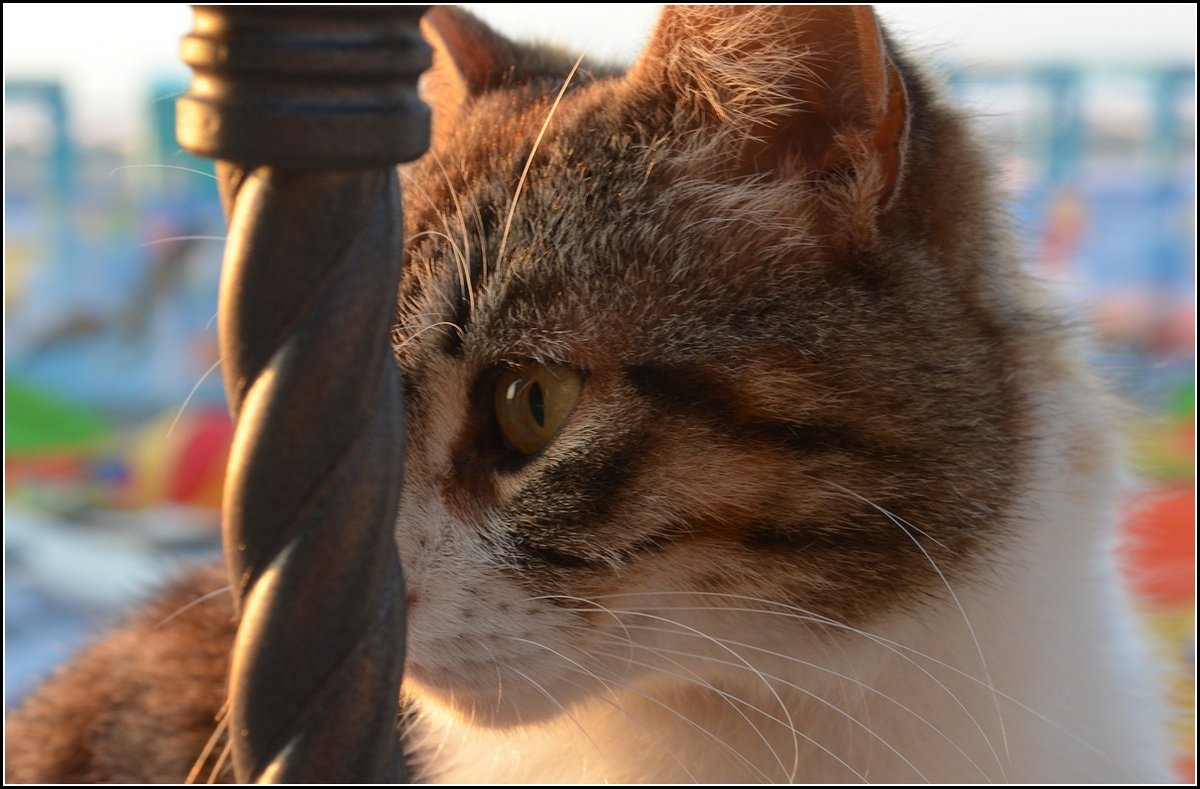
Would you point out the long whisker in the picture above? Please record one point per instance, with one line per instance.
(756, 672)
(796, 745)
(1010, 699)
(627, 688)
(807, 616)
(637, 722)
(593, 605)
(479, 230)
(825, 702)
(415, 335)
(900, 524)
(613, 703)
(654, 700)
(512, 207)
(461, 265)
(460, 258)
(169, 239)
(895, 647)
(462, 222)
(226, 752)
(816, 697)
(188, 606)
(558, 704)
(496, 664)
(864, 700)
(213, 739)
(953, 696)
(728, 698)
(191, 394)
(163, 167)
(790, 610)
(401, 330)
(414, 187)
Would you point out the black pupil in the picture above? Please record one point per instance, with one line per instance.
(537, 405)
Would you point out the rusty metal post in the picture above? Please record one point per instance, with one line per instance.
(309, 109)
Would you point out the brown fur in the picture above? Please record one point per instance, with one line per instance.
(781, 270)
(137, 706)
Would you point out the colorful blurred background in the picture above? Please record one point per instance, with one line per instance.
(115, 426)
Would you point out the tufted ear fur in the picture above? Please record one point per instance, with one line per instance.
(470, 59)
(791, 89)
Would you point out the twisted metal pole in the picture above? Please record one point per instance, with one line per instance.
(308, 110)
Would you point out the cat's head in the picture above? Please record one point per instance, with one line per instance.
(729, 333)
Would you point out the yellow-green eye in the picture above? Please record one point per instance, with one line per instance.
(533, 402)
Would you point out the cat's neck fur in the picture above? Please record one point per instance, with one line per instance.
(910, 699)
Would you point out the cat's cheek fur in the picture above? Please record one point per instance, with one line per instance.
(472, 631)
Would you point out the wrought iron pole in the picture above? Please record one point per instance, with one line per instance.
(309, 109)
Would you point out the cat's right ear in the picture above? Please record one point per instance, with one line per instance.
(781, 91)
(469, 58)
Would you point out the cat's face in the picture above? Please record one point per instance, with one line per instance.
(735, 347)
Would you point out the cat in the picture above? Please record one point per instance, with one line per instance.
(740, 448)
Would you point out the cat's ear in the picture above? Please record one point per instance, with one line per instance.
(794, 88)
(469, 58)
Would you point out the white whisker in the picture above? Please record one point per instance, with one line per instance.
(172, 239)
(895, 647)
(786, 712)
(213, 739)
(226, 752)
(190, 395)
(654, 700)
(807, 616)
(115, 170)
(512, 207)
(698, 727)
(613, 703)
(558, 704)
(756, 672)
(466, 273)
(201, 599)
(864, 686)
(479, 230)
(900, 524)
(729, 698)
(439, 324)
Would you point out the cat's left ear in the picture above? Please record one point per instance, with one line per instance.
(808, 88)
(469, 58)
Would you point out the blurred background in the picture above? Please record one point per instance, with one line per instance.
(115, 426)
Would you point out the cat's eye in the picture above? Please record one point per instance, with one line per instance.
(533, 402)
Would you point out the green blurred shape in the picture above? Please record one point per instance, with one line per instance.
(37, 421)
(1182, 402)
(1164, 449)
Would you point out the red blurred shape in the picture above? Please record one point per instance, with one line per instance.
(200, 465)
(1161, 546)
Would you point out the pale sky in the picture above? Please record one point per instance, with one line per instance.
(107, 53)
